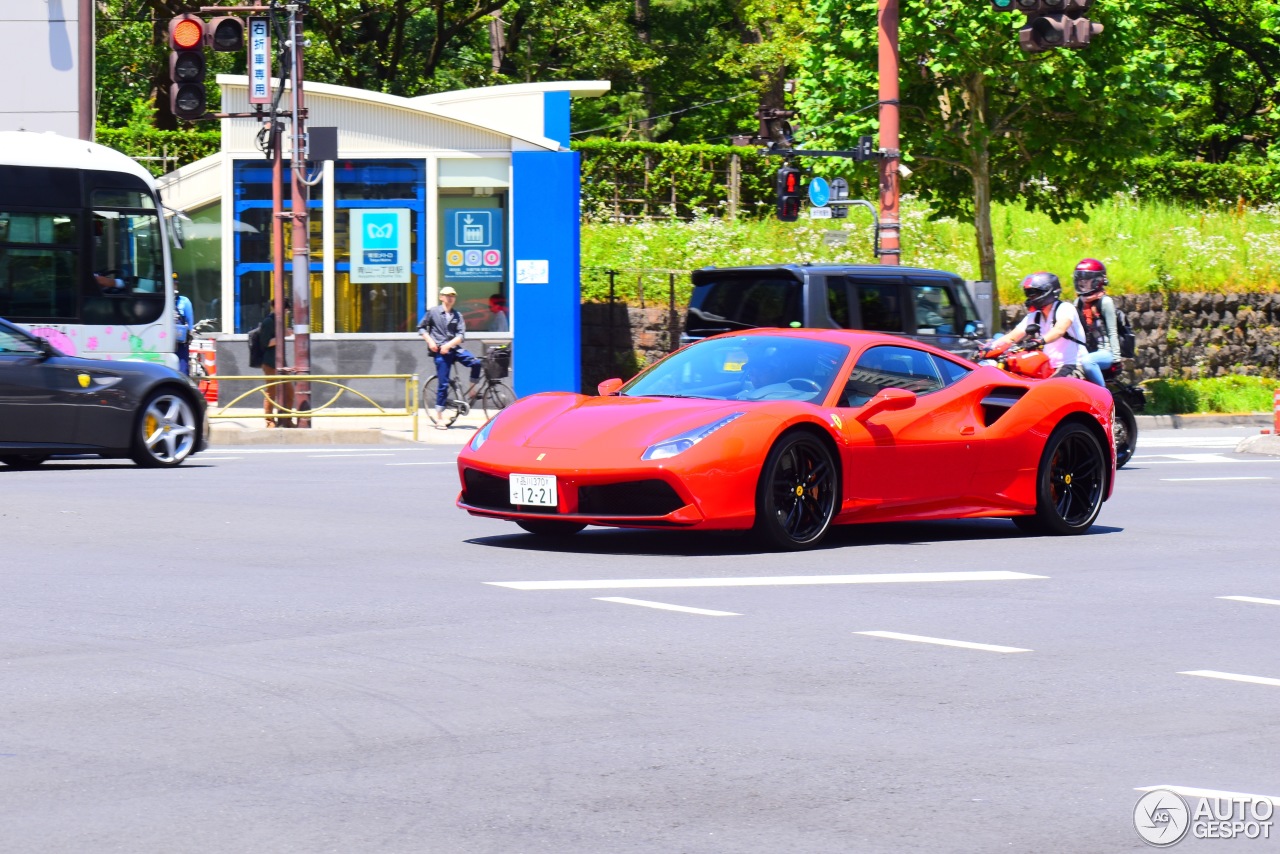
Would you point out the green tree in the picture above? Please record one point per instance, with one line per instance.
(984, 122)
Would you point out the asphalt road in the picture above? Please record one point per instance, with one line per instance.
(303, 650)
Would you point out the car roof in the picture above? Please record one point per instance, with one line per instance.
(862, 269)
(852, 338)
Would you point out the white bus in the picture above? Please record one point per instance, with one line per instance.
(84, 260)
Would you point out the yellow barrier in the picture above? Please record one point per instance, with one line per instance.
(264, 384)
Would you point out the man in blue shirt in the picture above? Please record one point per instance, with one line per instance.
(444, 330)
(184, 319)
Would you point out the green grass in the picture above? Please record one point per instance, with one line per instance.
(1233, 394)
(1146, 246)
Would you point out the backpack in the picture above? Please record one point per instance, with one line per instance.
(1128, 341)
(256, 353)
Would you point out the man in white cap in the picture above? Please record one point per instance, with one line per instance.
(444, 330)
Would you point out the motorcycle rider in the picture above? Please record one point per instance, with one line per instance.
(1098, 314)
(1063, 343)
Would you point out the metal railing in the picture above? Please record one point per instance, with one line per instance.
(263, 385)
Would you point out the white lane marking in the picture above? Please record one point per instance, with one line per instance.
(326, 456)
(1231, 677)
(1212, 793)
(202, 458)
(766, 581)
(622, 600)
(432, 463)
(1251, 599)
(1192, 442)
(311, 449)
(986, 647)
(1189, 479)
(1180, 459)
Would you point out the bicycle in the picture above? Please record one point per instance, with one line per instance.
(492, 393)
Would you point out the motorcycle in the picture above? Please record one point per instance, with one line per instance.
(1128, 399)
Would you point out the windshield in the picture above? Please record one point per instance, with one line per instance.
(746, 367)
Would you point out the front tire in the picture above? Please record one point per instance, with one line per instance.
(798, 493)
(1124, 426)
(1070, 483)
(550, 527)
(428, 403)
(166, 431)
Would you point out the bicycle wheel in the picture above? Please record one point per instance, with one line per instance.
(427, 400)
(497, 396)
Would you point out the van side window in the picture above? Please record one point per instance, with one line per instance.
(935, 313)
(891, 367)
(838, 302)
(881, 308)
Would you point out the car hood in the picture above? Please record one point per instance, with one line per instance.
(577, 422)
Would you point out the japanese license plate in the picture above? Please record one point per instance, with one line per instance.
(537, 490)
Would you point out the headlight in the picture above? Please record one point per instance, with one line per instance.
(686, 440)
(482, 435)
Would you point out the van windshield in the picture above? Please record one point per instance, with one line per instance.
(733, 302)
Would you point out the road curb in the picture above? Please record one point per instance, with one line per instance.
(1203, 419)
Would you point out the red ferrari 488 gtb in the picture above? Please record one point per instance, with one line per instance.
(789, 432)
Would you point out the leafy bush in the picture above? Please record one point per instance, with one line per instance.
(161, 151)
(1230, 394)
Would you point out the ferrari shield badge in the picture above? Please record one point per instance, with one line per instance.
(835, 419)
(83, 380)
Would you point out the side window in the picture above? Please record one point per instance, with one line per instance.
(935, 313)
(950, 371)
(38, 265)
(12, 343)
(880, 306)
(891, 367)
(838, 302)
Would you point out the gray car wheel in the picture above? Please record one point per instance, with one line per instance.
(166, 431)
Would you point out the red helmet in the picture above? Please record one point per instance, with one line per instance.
(1040, 289)
(1090, 277)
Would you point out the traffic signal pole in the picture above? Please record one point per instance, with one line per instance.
(890, 225)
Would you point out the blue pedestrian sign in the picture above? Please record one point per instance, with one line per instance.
(473, 245)
(819, 192)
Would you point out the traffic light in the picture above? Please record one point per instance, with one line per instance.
(187, 97)
(226, 34)
(788, 183)
(1051, 23)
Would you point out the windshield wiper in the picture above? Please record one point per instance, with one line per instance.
(677, 396)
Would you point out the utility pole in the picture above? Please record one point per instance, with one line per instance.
(301, 220)
(890, 226)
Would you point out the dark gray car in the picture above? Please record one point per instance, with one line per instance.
(53, 404)
(932, 306)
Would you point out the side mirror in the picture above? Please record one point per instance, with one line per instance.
(975, 329)
(46, 349)
(609, 387)
(888, 400)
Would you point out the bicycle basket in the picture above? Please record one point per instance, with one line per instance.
(497, 363)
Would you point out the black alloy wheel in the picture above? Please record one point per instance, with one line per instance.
(166, 431)
(1070, 483)
(23, 461)
(550, 527)
(1124, 426)
(798, 493)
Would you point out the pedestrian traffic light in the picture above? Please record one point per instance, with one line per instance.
(187, 97)
(1052, 23)
(788, 183)
(226, 33)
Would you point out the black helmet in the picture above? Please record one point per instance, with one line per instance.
(1090, 277)
(1041, 289)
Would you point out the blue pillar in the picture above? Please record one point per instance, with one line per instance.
(546, 292)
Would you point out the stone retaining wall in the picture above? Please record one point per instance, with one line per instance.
(1185, 336)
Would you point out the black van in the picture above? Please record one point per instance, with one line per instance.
(928, 305)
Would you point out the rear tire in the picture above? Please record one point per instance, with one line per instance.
(550, 527)
(25, 462)
(1124, 426)
(1070, 483)
(798, 493)
(428, 402)
(496, 398)
(166, 431)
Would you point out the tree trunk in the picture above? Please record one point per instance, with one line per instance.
(980, 170)
(646, 93)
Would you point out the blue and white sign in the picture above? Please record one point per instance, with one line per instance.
(819, 192)
(259, 61)
(473, 242)
(380, 246)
